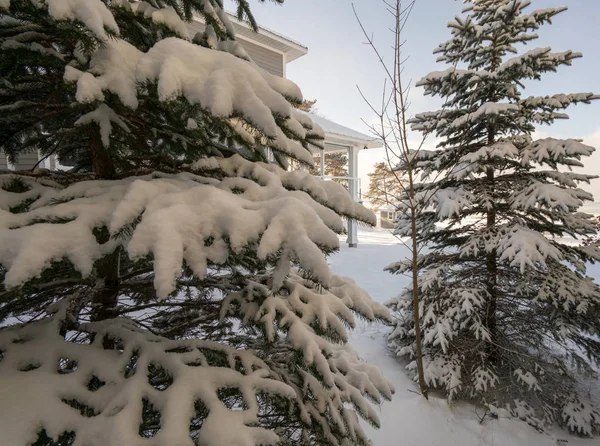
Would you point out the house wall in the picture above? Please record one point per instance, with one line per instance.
(386, 219)
(27, 161)
(267, 59)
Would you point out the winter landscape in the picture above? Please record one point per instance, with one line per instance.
(409, 418)
(194, 252)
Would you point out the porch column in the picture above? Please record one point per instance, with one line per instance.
(353, 189)
(322, 163)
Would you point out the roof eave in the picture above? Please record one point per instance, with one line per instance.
(295, 53)
(293, 49)
(345, 140)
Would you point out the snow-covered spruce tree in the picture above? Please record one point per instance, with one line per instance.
(509, 316)
(171, 288)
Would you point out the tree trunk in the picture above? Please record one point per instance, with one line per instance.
(491, 280)
(106, 296)
(102, 163)
(492, 261)
(415, 283)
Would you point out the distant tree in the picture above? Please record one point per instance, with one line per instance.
(336, 165)
(385, 186)
(307, 105)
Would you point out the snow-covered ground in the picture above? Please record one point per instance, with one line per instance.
(410, 419)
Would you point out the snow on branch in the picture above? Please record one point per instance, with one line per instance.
(580, 417)
(328, 193)
(303, 311)
(29, 189)
(545, 15)
(543, 108)
(92, 13)
(224, 85)
(550, 196)
(111, 68)
(476, 161)
(167, 16)
(104, 117)
(451, 201)
(204, 220)
(437, 81)
(552, 150)
(534, 62)
(219, 82)
(179, 214)
(487, 109)
(83, 386)
(523, 247)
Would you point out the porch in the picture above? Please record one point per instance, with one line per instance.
(339, 138)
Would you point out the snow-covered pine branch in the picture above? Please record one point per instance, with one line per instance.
(121, 63)
(198, 222)
(170, 287)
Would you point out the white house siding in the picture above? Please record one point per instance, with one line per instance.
(265, 58)
(387, 219)
(27, 160)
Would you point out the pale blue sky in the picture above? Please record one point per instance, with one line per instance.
(338, 61)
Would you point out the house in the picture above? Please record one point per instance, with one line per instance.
(386, 216)
(28, 161)
(339, 138)
(272, 52)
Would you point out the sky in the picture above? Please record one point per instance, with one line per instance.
(339, 62)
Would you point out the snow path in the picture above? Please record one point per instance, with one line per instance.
(410, 419)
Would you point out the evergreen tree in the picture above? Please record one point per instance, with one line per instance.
(509, 316)
(385, 186)
(307, 106)
(172, 288)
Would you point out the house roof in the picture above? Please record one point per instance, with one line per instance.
(346, 134)
(386, 207)
(274, 40)
(266, 38)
